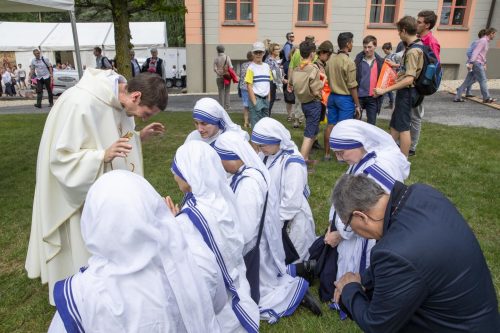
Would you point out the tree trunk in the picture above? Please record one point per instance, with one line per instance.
(122, 37)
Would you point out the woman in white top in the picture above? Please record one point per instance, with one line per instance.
(141, 276)
(277, 293)
(289, 175)
(209, 208)
(210, 120)
(369, 150)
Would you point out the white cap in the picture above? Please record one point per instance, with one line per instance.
(258, 46)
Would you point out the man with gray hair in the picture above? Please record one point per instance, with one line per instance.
(222, 63)
(427, 271)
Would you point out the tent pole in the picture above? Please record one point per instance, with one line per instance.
(77, 45)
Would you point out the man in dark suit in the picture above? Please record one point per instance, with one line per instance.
(427, 271)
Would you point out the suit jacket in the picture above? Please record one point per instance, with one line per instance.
(427, 273)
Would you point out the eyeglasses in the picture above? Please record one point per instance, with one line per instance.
(347, 226)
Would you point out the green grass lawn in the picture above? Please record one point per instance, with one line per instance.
(464, 163)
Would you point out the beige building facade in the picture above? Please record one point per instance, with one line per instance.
(237, 24)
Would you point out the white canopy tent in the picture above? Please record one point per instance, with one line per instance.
(55, 37)
(90, 35)
(17, 6)
(26, 36)
(23, 6)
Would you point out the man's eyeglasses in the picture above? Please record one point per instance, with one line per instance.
(347, 226)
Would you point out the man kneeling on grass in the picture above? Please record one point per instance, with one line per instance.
(307, 86)
(427, 272)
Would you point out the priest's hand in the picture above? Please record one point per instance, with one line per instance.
(118, 149)
(152, 130)
(170, 204)
(340, 284)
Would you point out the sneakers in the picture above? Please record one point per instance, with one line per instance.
(38, 106)
(312, 304)
(490, 100)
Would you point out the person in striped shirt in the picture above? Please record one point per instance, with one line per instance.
(258, 80)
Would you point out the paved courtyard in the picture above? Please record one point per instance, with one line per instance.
(439, 108)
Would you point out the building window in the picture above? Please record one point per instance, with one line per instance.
(453, 12)
(311, 11)
(383, 11)
(239, 10)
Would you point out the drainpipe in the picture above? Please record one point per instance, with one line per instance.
(203, 47)
(490, 15)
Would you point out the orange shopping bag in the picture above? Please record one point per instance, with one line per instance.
(387, 76)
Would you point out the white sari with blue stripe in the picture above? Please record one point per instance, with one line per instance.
(384, 163)
(280, 293)
(211, 112)
(211, 208)
(288, 172)
(141, 276)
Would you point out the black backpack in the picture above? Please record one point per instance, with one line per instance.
(429, 79)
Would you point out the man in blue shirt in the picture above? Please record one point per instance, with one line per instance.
(427, 272)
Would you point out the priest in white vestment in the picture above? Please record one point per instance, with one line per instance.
(89, 131)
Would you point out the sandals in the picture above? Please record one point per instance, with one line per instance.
(490, 100)
(458, 100)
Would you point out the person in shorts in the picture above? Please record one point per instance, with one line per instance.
(343, 102)
(307, 86)
(21, 72)
(406, 95)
